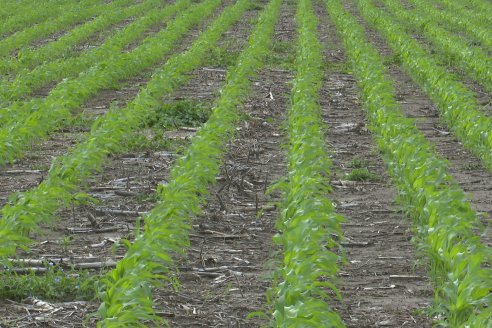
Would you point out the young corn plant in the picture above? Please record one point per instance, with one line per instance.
(22, 15)
(308, 219)
(465, 9)
(458, 107)
(27, 80)
(36, 120)
(64, 46)
(458, 21)
(76, 13)
(126, 291)
(473, 60)
(109, 134)
(445, 224)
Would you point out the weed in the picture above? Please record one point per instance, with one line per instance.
(145, 197)
(362, 174)
(81, 122)
(358, 163)
(66, 241)
(223, 56)
(55, 284)
(472, 166)
(392, 59)
(180, 113)
(282, 55)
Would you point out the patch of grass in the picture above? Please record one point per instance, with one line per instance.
(282, 54)
(53, 285)
(222, 56)
(81, 122)
(184, 112)
(153, 140)
(257, 5)
(41, 167)
(145, 197)
(393, 59)
(342, 67)
(358, 163)
(362, 174)
(181, 113)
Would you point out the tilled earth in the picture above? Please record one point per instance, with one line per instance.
(227, 271)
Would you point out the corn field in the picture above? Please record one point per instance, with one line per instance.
(247, 163)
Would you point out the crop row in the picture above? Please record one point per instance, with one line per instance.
(444, 221)
(149, 258)
(64, 46)
(457, 21)
(308, 221)
(108, 134)
(480, 6)
(469, 10)
(30, 12)
(458, 106)
(28, 80)
(76, 13)
(53, 111)
(10, 9)
(471, 59)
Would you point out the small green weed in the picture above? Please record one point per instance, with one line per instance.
(222, 56)
(66, 242)
(182, 113)
(145, 197)
(155, 139)
(362, 174)
(53, 285)
(81, 122)
(358, 163)
(282, 55)
(393, 59)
